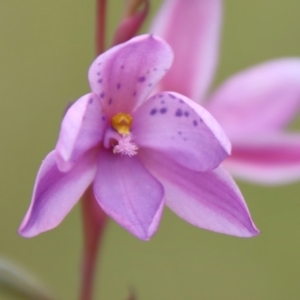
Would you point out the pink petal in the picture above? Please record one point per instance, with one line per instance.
(55, 193)
(82, 129)
(210, 200)
(261, 99)
(266, 159)
(125, 75)
(129, 194)
(192, 28)
(181, 129)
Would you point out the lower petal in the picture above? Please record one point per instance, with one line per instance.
(55, 193)
(129, 194)
(210, 200)
(268, 159)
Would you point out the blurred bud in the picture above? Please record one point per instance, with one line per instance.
(132, 295)
(136, 12)
(19, 284)
(133, 6)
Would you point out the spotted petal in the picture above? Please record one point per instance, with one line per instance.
(129, 194)
(263, 98)
(125, 75)
(266, 159)
(181, 129)
(82, 129)
(192, 28)
(210, 200)
(55, 193)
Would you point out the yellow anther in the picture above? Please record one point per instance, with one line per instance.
(121, 122)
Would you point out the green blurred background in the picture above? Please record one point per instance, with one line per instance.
(46, 48)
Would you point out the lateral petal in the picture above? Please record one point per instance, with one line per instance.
(266, 159)
(82, 129)
(182, 130)
(263, 98)
(55, 193)
(210, 200)
(128, 193)
(125, 75)
(192, 28)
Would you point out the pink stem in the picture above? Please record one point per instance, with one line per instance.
(93, 217)
(100, 26)
(94, 221)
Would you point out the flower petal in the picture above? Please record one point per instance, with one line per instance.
(125, 75)
(82, 128)
(129, 194)
(210, 200)
(261, 99)
(55, 193)
(181, 129)
(192, 28)
(266, 159)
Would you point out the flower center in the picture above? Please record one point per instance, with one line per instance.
(125, 146)
(119, 137)
(121, 122)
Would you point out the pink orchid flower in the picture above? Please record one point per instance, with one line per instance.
(138, 154)
(253, 107)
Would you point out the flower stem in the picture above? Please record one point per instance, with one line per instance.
(100, 26)
(94, 221)
(93, 217)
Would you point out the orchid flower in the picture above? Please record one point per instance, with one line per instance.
(253, 107)
(137, 153)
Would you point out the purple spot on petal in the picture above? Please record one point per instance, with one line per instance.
(186, 113)
(149, 84)
(99, 64)
(185, 139)
(153, 111)
(110, 101)
(160, 95)
(163, 110)
(155, 69)
(98, 73)
(91, 101)
(102, 95)
(179, 132)
(122, 67)
(178, 112)
(195, 123)
(162, 101)
(118, 86)
(172, 96)
(103, 118)
(142, 79)
(100, 81)
(181, 101)
(134, 94)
